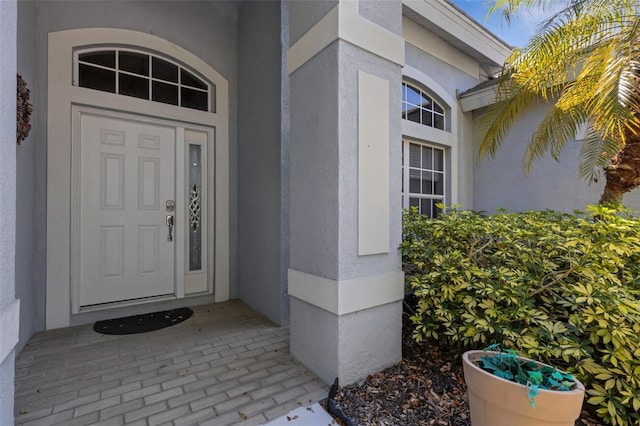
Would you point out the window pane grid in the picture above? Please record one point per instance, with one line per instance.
(424, 177)
(419, 107)
(143, 76)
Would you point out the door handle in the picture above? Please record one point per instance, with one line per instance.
(170, 226)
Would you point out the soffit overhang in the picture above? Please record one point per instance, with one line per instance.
(458, 29)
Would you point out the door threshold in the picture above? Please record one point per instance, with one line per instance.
(124, 303)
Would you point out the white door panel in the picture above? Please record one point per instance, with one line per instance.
(127, 175)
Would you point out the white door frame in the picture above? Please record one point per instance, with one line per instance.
(63, 95)
(180, 203)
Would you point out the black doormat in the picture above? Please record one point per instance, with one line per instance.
(142, 323)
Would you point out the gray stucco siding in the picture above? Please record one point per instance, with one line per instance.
(503, 183)
(315, 177)
(31, 318)
(449, 77)
(352, 265)
(8, 21)
(259, 159)
(304, 14)
(383, 13)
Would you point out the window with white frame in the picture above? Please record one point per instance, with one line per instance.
(419, 107)
(424, 177)
(142, 75)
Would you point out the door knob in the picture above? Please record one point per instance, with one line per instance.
(170, 226)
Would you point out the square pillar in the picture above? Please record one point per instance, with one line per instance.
(345, 280)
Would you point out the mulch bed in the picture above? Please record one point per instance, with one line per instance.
(426, 388)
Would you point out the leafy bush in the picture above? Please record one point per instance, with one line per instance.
(560, 288)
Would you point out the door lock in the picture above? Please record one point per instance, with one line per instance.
(170, 226)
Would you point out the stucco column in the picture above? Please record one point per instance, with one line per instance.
(345, 281)
(9, 307)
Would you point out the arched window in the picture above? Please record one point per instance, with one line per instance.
(426, 151)
(419, 107)
(142, 75)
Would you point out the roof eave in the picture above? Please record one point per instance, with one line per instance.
(457, 28)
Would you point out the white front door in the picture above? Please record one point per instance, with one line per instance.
(127, 176)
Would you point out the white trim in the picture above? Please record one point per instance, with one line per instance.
(449, 138)
(347, 296)
(428, 42)
(450, 23)
(62, 95)
(344, 22)
(10, 330)
(478, 99)
(373, 164)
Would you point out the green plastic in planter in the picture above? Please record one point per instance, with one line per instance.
(495, 401)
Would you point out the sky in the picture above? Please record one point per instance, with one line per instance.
(517, 33)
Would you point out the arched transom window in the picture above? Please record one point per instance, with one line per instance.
(421, 108)
(142, 75)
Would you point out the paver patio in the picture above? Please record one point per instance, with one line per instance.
(224, 365)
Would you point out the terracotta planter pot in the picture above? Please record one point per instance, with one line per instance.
(499, 402)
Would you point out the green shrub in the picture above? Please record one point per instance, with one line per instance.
(560, 288)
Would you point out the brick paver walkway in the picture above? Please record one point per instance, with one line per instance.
(225, 365)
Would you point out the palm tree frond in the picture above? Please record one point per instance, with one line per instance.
(595, 153)
(554, 131)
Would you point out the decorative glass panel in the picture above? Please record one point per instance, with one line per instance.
(195, 213)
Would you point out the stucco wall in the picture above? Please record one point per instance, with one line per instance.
(8, 314)
(207, 29)
(314, 165)
(259, 149)
(452, 80)
(379, 11)
(551, 185)
(304, 14)
(328, 150)
(31, 312)
(324, 174)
